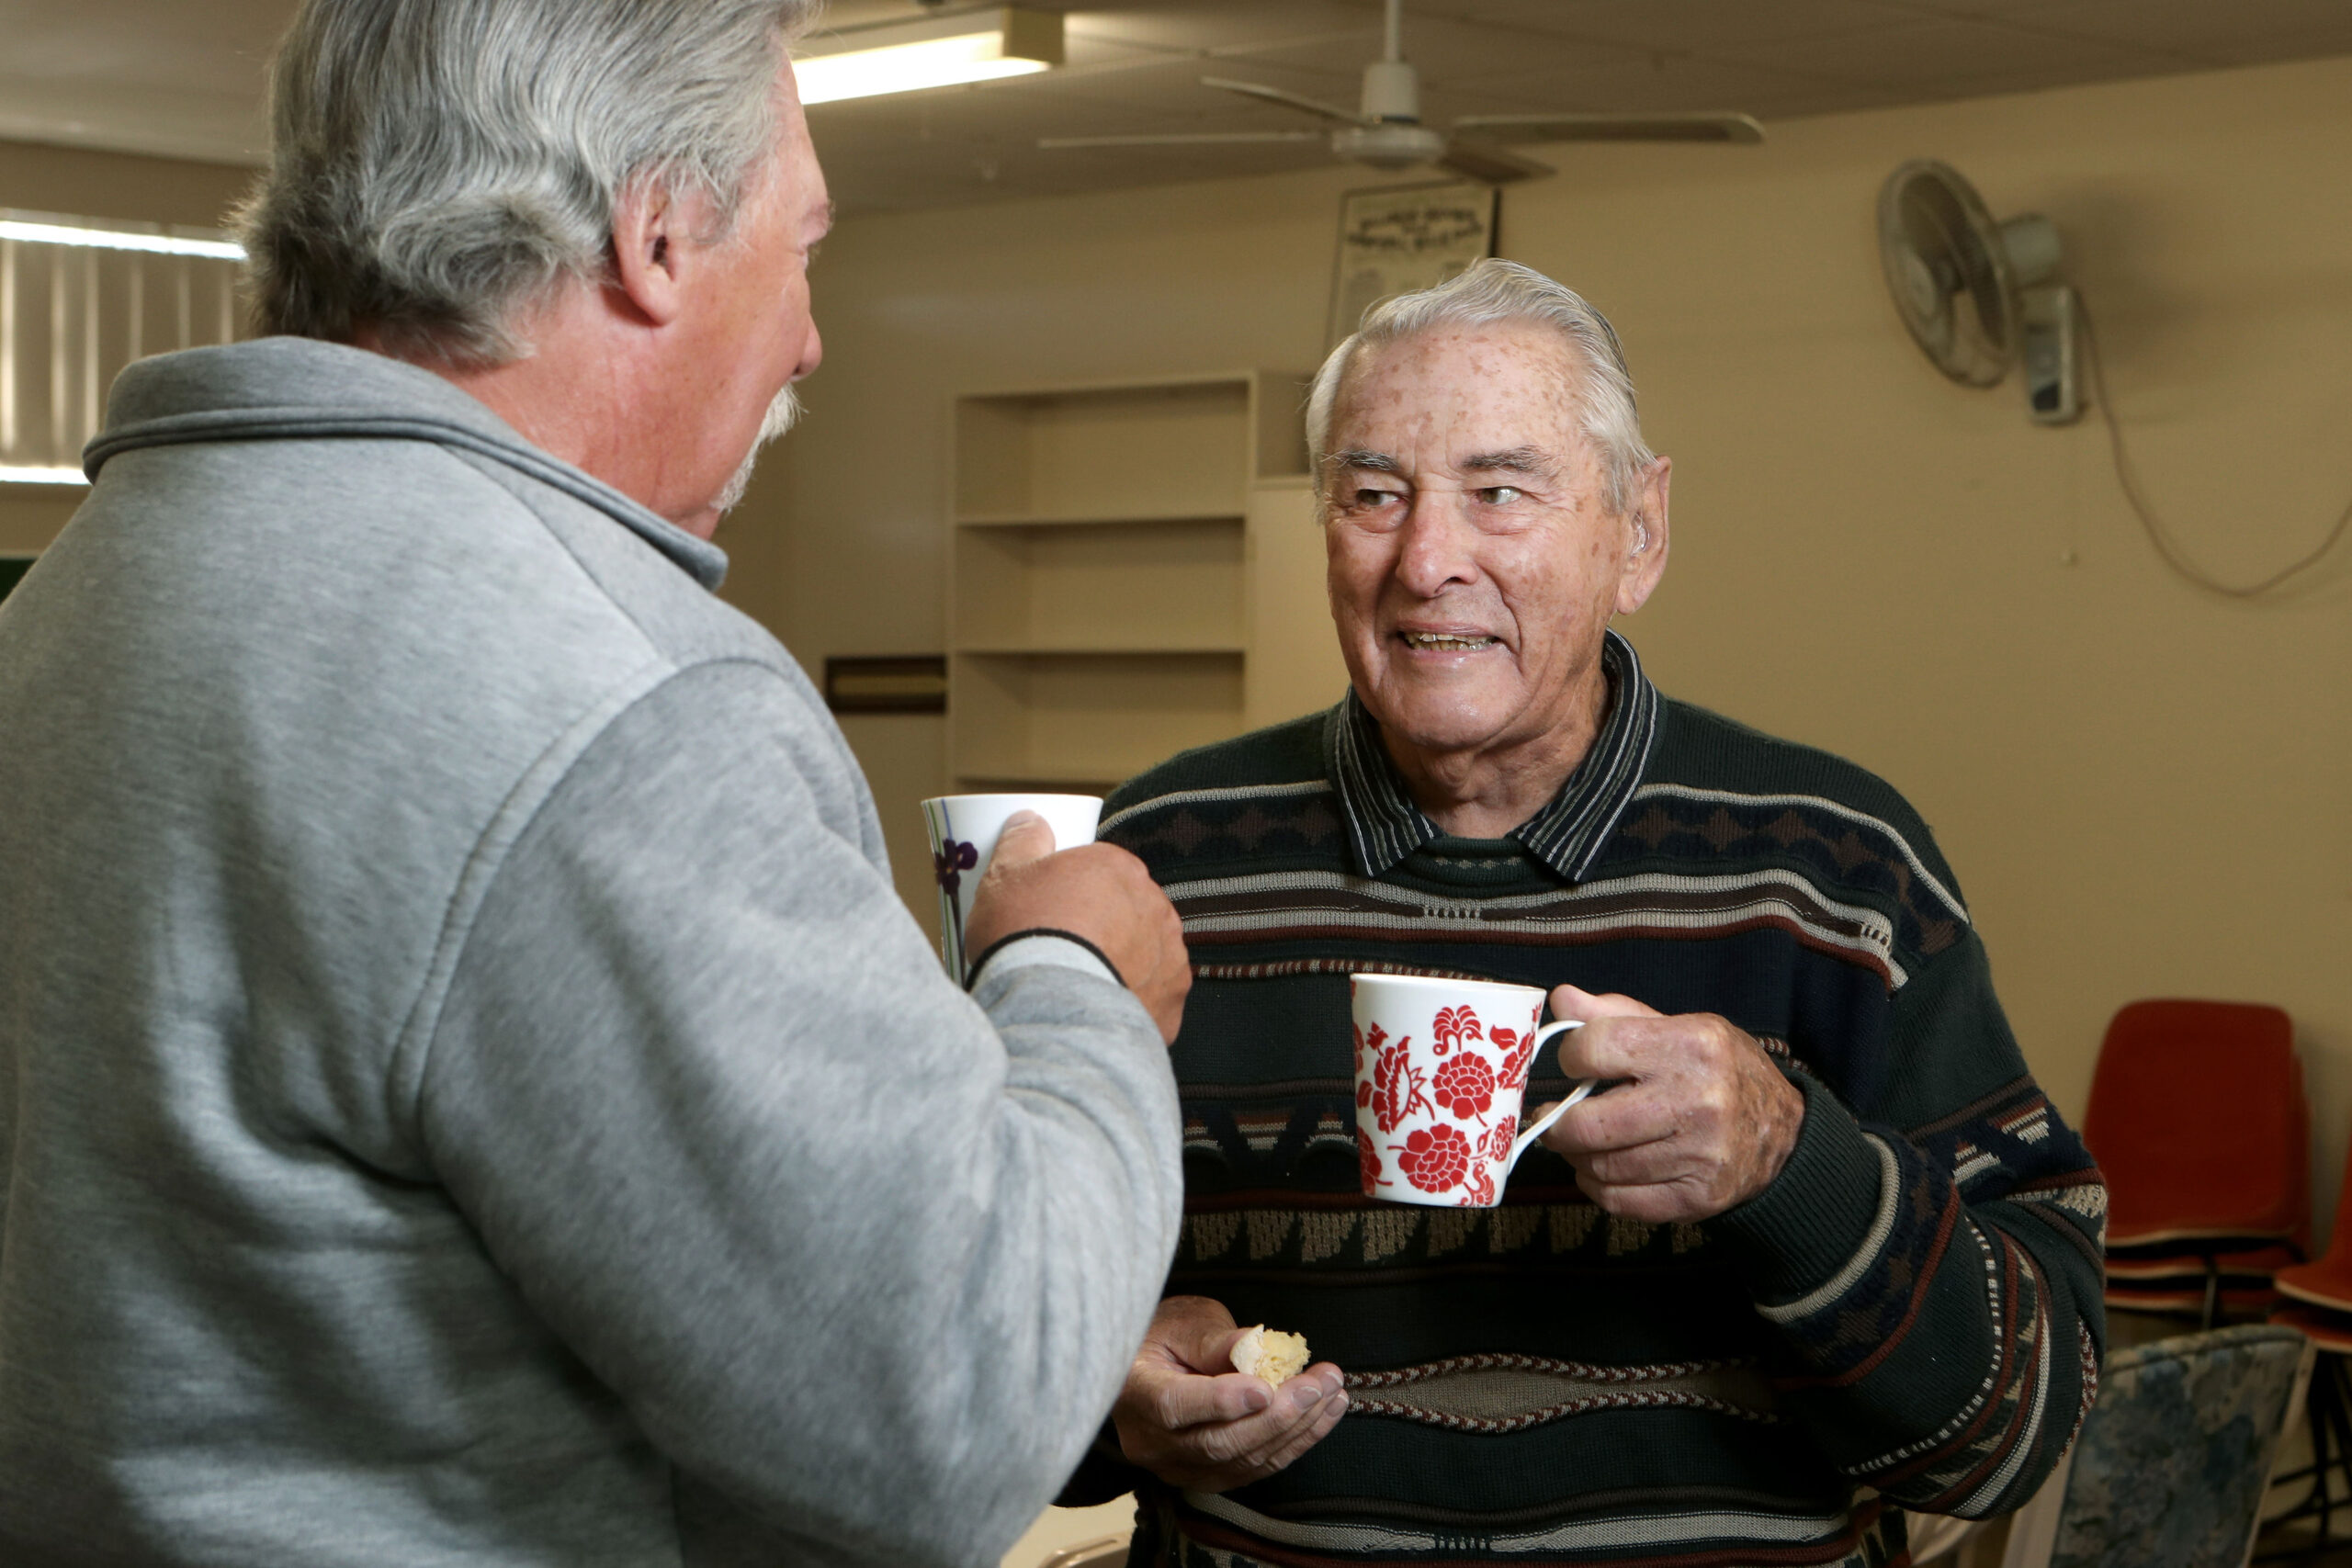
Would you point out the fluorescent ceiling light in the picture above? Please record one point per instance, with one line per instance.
(931, 52)
(42, 476)
(46, 233)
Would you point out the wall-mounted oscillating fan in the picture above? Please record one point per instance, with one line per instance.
(1976, 295)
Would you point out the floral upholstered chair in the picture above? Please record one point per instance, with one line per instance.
(2171, 1466)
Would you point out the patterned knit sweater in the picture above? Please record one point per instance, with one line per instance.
(1909, 1313)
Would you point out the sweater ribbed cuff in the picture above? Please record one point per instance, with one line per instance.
(1045, 954)
(1817, 1213)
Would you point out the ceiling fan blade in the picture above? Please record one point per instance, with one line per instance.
(1288, 100)
(1512, 127)
(1485, 162)
(1190, 139)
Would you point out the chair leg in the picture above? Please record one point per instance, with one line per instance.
(2212, 1292)
(2322, 1430)
(2339, 1420)
(2330, 1419)
(2331, 1443)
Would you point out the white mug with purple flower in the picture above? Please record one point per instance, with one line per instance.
(1441, 1067)
(963, 831)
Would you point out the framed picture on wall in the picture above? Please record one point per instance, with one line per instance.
(1394, 239)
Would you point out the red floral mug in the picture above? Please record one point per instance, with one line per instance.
(1440, 1071)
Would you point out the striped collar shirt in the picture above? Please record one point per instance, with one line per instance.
(1385, 826)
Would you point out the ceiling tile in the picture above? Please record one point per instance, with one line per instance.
(1219, 25)
(1675, 24)
(1677, 82)
(1461, 54)
(862, 13)
(2241, 31)
(1161, 88)
(2320, 43)
(1175, 92)
(1934, 56)
(1106, 52)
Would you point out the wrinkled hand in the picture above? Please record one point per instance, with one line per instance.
(1704, 1122)
(1097, 891)
(1190, 1419)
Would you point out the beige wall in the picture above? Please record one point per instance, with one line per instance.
(2145, 790)
(84, 184)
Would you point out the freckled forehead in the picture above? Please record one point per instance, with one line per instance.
(1464, 389)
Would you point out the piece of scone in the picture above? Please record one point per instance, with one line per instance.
(1271, 1354)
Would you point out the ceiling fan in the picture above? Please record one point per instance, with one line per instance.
(1386, 132)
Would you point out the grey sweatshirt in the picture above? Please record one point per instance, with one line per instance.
(468, 1092)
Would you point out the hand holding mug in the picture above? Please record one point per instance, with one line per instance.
(1441, 1067)
(1096, 891)
(1703, 1122)
(963, 831)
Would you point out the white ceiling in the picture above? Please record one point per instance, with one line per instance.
(184, 77)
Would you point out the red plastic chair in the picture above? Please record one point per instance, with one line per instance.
(2319, 1302)
(2198, 1121)
(2205, 1281)
(2324, 1284)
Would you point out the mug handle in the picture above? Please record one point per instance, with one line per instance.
(1529, 1134)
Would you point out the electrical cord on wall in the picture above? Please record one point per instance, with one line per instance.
(2129, 478)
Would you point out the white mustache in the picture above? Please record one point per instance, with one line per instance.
(781, 416)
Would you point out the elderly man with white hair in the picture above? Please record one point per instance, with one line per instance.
(469, 1092)
(1818, 1247)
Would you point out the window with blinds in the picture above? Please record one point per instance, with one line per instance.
(79, 299)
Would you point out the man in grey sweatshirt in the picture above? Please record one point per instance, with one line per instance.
(468, 1092)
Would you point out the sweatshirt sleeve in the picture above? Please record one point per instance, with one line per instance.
(863, 1255)
(1930, 1261)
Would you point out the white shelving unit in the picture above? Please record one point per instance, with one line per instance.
(1105, 595)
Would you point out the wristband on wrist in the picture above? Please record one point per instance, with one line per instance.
(972, 975)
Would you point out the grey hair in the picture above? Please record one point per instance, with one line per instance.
(438, 165)
(1489, 293)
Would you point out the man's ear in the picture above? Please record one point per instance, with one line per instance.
(1647, 520)
(650, 239)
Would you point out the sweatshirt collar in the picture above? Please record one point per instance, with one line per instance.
(280, 388)
(1385, 826)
